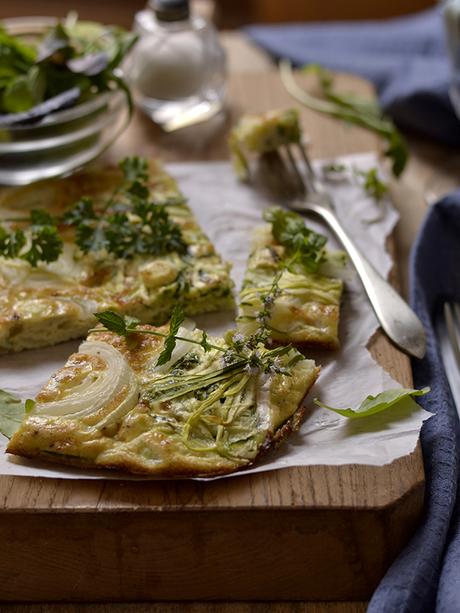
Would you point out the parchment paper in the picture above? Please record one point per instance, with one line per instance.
(229, 211)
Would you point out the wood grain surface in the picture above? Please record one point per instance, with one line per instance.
(325, 533)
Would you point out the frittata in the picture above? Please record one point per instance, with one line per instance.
(258, 134)
(199, 414)
(54, 302)
(306, 309)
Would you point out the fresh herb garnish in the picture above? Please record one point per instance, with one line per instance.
(375, 188)
(304, 252)
(249, 352)
(302, 245)
(126, 225)
(373, 184)
(39, 243)
(130, 224)
(376, 404)
(177, 319)
(12, 412)
(120, 324)
(351, 109)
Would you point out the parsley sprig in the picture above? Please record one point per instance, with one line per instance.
(302, 245)
(130, 223)
(127, 224)
(40, 242)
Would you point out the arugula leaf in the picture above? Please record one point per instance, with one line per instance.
(24, 91)
(12, 412)
(177, 318)
(351, 109)
(80, 58)
(89, 65)
(120, 324)
(55, 46)
(375, 404)
(289, 230)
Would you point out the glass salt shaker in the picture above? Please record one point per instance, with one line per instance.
(178, 63)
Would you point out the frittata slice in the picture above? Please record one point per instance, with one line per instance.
(112, 406)
(306, 309)
(262, 133)
(55, 302)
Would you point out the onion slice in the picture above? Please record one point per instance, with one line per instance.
(98, 388)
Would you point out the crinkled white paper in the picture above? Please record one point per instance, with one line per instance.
(229, 211)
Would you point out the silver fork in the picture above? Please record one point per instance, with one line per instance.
(304, 193)
(448, 333)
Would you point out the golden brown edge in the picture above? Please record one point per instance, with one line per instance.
(272, 442)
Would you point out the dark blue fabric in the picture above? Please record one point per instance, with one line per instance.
(405, 58)
(426, 576)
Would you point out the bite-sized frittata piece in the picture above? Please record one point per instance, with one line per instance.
(305, 307)
(199, 414)
(257, 134)
(53, 302)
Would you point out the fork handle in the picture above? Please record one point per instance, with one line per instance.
(397, 319)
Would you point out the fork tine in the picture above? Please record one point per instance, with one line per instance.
(273, 178)
(295, 170)
(306, 159)
(452, 317)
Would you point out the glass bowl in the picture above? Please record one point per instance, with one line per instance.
(64, 140)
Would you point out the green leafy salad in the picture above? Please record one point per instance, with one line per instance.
(71, 62)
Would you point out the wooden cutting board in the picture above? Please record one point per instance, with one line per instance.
(315, 533)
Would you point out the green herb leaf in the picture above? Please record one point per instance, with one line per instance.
(204, 342)
(350, 109)
(29, 405)
(82, 57)
(177, 318)
(135, 168)
(12, 412)
(55, 46)
(129, 224)
(45, 243)
(374, 404)
(373, 185)
(11, 243)
(289, 230)
(43, 240)
(24, 91)
(120, 324)
(81, 211)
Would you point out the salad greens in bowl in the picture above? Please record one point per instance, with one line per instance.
(63, 99)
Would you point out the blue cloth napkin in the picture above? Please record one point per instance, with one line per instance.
(426, 576)
(405, 58)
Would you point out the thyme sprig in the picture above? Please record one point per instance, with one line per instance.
(249, 353)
